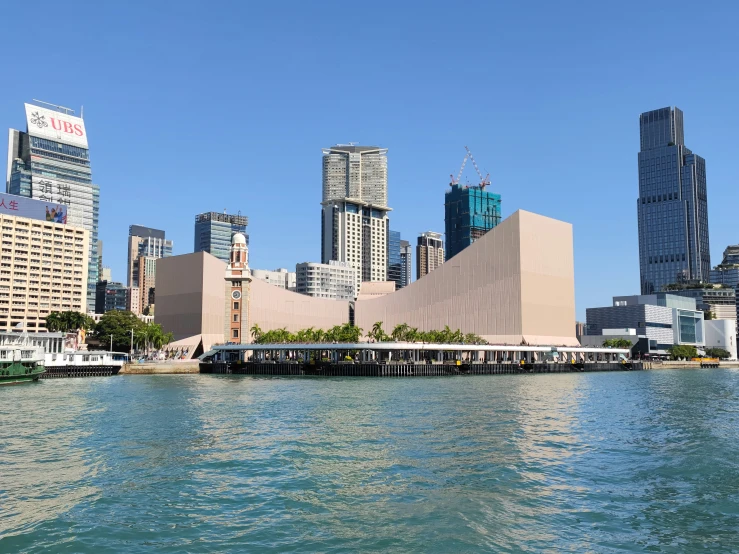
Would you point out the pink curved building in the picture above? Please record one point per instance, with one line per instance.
(513, 285)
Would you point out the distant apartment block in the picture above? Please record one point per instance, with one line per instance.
(133, 301)
(334, 280)
(44, 265)
(406, 263)
(279, 277)
(148, 242)
(429, 253)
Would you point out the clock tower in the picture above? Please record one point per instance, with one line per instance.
(238, 277)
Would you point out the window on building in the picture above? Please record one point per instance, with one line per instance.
(235, 333)
(236, 317)
(236, 305)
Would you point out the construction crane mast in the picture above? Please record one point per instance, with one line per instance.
(484, 181)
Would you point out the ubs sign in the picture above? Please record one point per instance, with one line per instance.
(55, 126)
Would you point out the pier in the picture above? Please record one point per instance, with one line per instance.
(404, 370)
(408, 359)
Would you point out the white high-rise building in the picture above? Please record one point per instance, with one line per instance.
(357, 172)
(354, 214)
(334, 280)
(279, 277)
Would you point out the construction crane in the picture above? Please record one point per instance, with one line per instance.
(461, 169)
(484, 181)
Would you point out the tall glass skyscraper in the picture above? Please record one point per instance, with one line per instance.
(469, 213)
(394, 263)
(672, 206)
(50, 162)
(213, 232)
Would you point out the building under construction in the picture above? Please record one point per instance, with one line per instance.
(469, 211)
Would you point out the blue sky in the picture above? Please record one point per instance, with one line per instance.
(199, 106)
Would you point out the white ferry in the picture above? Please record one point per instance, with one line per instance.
(83, 363)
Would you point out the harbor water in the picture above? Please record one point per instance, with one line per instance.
(589, 462)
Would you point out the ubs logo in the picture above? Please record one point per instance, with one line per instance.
(39, 120)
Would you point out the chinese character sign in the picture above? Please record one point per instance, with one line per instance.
(35, 209)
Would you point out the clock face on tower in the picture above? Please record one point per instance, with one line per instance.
(236, 294)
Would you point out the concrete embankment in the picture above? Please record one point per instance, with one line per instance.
(685, 365)
(160, 368)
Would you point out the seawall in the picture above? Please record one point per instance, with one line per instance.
(160, 368)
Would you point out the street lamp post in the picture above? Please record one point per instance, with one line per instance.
(111, 342)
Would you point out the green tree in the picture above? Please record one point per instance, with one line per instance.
(708, 315)
(377, 333)
(399, 332)
(69, 321)
(118, 323)
(683, 352)
(717, 353)
(472, 338)
(617, 343)
(256, 332)
(54, 322)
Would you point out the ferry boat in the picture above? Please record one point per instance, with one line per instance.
(20, 363)
(83, 363)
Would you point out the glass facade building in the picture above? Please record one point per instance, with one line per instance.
(213, 232)
(58, 172)
(110, 296)
(672, 206)
(394, 263)
(469, 213)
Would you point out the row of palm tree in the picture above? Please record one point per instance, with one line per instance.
(348, 333)
(151, 336)
(405, 333)
(68, 322)
(339, 333)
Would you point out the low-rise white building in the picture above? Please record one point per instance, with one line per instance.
(334, 280)
(721, 333)
(279, 277)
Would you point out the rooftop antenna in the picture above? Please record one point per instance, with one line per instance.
(68, 111)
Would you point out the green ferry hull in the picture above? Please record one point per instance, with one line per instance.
(16, 374)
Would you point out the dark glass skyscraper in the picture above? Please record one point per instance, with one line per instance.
(672, 206)
(213, 232)
(394, 268)
(469, 213)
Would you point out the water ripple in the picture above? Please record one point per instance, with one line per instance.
(626, 462)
